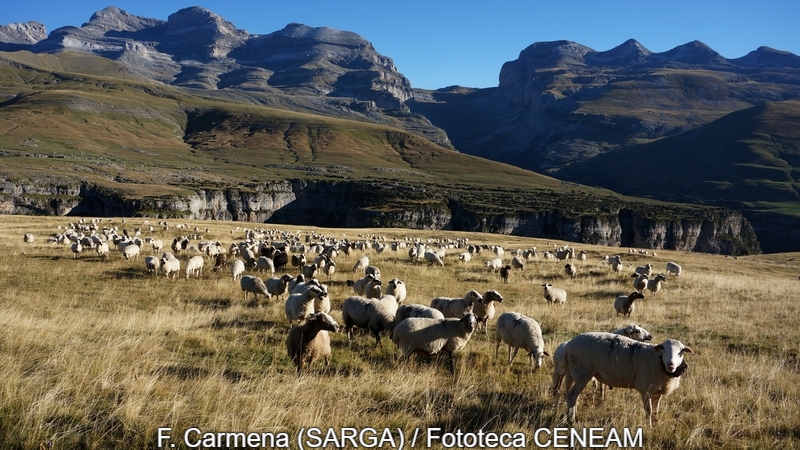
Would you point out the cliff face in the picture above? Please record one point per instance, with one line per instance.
(355, 205)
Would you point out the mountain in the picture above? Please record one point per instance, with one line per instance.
(19, 36)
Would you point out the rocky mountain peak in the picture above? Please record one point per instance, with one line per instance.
(197, 33)
(115, 19)
(23, 33)
(555, 53)
(695, 53)
(769, 57)
(630, 52)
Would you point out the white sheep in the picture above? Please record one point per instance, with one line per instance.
(484, 309)
(398, 289)
(518, 263)
(373, 289)
(300, 305)
(618, 361)
(361, 264)
(624, 304)
(310, 341)
(570, 270)
(456, 307)
(170, 265)
(494, 265)
(194, 266)
(644, 270)
(265, 264)
(465, 257)
(674, 269)
(519, 331)
(655, 284)
(415, 310)
(249, 283)
(76, 248)
(431, 336)
(278, 286)
(329, 269)
(433, 258)
(152, 264)
(237, 269)
(102, 250)
(28, 238)
(555, 295)
(375, 315)
(639, 281)
(374, 271)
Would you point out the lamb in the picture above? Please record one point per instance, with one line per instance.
(517, 263)
(456, 307)
(555, 295)
(237, 269)
(644, 270)
(194, 266)
(253, 284)
(300, 305)
(152, 264)
(484, 309)
(398, 289)
(519, 331)
(278, 286)
(639, 282)
(618, 361)
(674, 269)
(431, 336)
(433, 258)
(263, 263)
(571, 270)
(170, 265)
(310, 341)
(371, 314)
(414, 310)
(361, 264)
(655, 284)
(624, 304)
(505, 271)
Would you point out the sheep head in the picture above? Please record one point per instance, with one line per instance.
(672, 352)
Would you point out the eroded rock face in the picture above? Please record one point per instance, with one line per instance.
(27, 33)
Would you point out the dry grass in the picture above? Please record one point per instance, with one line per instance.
(99, 354)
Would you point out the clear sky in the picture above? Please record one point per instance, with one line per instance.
(439, 43)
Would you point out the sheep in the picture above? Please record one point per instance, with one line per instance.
(131, 251)
(494, 264)
(644, 270)
(299, 279)
(674, 269)
(323, 303)
(278, 286)
(415, 310)
(361, 264)
(555, 295)
(152, 264)
(300, 305)
(280, 259)
(310, 270)
(360, 285)
(398, 289)
(194, 266)
(28, 238)
(632, 331)
(571, 270)
(237, 269)
(517, 263)
(624, 304)
(155, 244)
(329, 269)
(639, 281)
(484, 308)
(295, 287)
(456, 307)
(582, 256)
(655, 284)
(616, 264)
(76, 248)
(498, 250)
(374, 271)
(170, 265)
(505, 271)
(519, 331)
(432, 336)
(433, 258)
(298, 260)
(310, 341)
(618, 361)
(220, 261)
(263, 263)
(249, 283)
(465, 257)
(371, 314)
(102, 250)
(373, 289)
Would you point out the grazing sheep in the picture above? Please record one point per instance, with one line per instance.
(624, 304)
(170, 265)
(253, 284)
(484, 309)
(414, 310)
(152, 264)
(265, 264)
(618, 361)
(517, 263)
(465, 257)
(505, 271)
(433, 258)
(278, 286)
(102, 250)
(310, 341)
(371, 314)
(398, 289)
(644, 270)
(655, 284)
(301, 304)
(361, 264)
(131, 251)
(237, 268)
(298, 260)
(329, 269)
(220, 261)
(519, 331)
(571, 270)
(555, 295)
(456, 307)
(194, 266)
(431, 336)
(28, 238)
(674, 269)
(639, 281)
(494, 264)
(155, 244)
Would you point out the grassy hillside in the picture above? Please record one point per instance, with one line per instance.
(100, 354)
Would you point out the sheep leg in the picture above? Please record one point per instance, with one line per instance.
(572, 396)
(452, 362)
(510, 356)
(496, 349)
(655, 400)
(648, 410)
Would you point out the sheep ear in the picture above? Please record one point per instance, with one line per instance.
(546, 354)
(687, 350)
(658, 348)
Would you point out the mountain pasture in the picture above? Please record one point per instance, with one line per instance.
(100, 354)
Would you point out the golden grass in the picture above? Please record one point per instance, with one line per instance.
(100, 354)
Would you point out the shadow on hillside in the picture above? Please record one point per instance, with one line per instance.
(213, 304)
(128, 273)
(487, 414)
(253, 325)
(191, 372)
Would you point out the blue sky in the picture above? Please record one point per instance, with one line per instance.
(441, 43)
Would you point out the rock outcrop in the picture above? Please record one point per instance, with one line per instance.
(20, 36)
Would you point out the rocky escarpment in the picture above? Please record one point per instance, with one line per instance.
(372, 204)
(20, 36)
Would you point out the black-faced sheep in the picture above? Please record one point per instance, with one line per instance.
(484, 309)
(624, 304)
